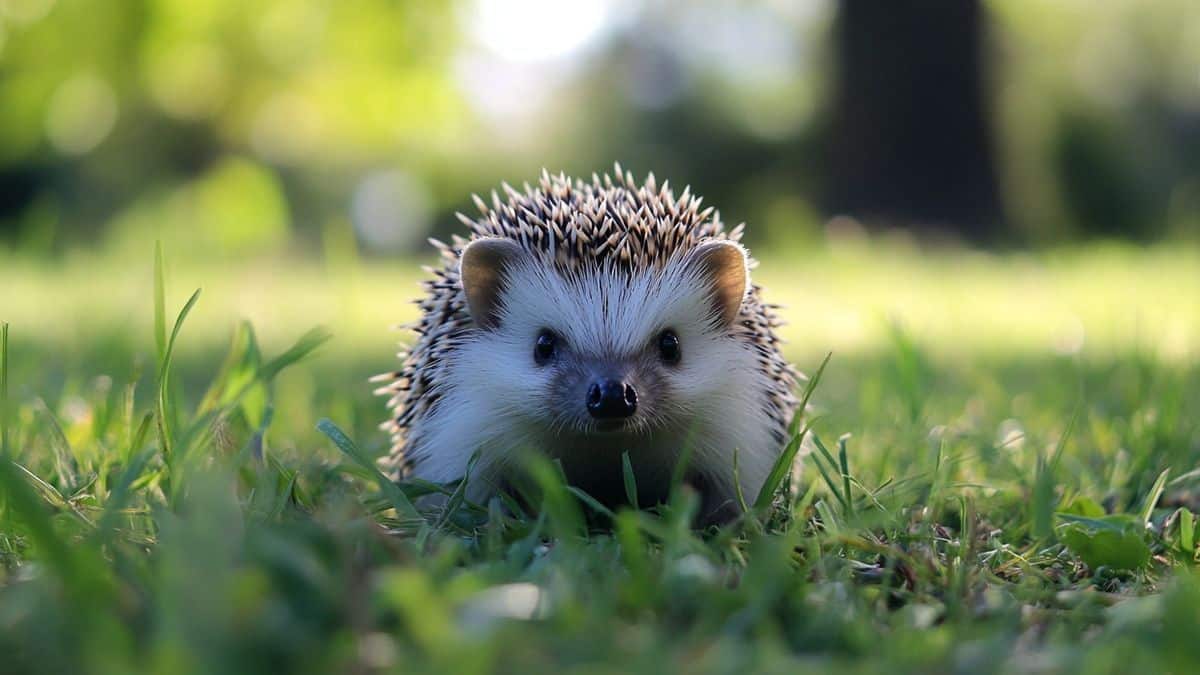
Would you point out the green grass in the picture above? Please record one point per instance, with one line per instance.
(1003, 479)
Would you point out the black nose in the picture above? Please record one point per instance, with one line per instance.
(610, 399)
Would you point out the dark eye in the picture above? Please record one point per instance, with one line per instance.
(544, 348)
(668, 346)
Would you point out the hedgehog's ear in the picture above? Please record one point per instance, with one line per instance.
(481, 270)
(723, 266)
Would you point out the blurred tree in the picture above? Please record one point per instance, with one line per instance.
(116, 114)
(1098, 117)
(910, 141)
(1102, 183)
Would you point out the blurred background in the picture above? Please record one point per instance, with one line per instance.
(233, 128)
(1015, 177)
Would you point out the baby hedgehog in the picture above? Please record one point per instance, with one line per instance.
(585, 320)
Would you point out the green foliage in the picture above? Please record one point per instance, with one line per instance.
(234, 209)
(1091, 146)
(193, 520)
(1182, 532)
(188, 121)
(1115, 541)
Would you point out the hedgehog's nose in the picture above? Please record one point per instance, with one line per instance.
(611, 399)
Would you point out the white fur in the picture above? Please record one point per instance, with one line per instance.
(496, 406)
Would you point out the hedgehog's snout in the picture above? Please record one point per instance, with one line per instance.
(611, 399)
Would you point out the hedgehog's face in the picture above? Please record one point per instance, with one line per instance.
(604, 350)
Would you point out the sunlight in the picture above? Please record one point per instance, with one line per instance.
(537, 30)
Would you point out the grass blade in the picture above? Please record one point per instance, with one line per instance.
(119, 496)
(3, 391)
(829, 519)
(783, 464)
(845, 464)
(160, 303)
(1042, 503)
(833, 488)
(1152, 497)
(737, 483)
(165, 410)
(812, 384)
(1062, 441)
(24, 504)
(682, 462)
(65, 466)
(562, 513)
(1187, 531)
(801, 507)
(237, 373)
(49, 493)
(458, 496)
(591, 501)
(304, 346)
(629, 480)
(390, 490)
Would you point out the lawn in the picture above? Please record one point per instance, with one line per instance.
(1007, 468)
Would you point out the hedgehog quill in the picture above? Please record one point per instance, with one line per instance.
(584, 320)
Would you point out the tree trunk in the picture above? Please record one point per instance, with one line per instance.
(911, 143)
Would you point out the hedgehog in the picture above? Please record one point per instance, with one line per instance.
(588, 322)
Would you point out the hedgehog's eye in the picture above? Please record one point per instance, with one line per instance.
(668, 346)
(545, 347)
